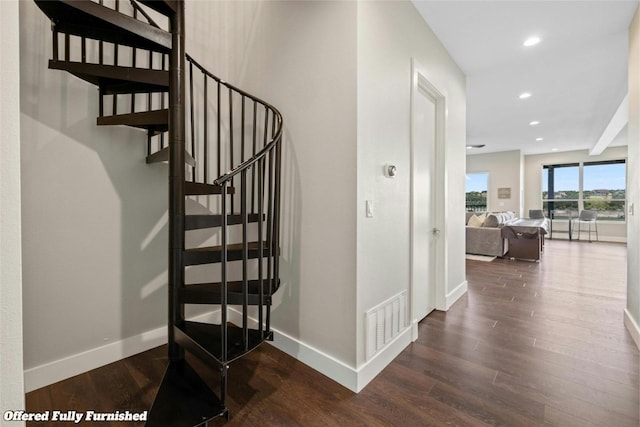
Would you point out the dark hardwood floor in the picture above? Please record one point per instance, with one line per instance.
(530, 344)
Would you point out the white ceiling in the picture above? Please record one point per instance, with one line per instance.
(577, 75)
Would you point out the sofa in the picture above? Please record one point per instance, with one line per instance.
(484, 232)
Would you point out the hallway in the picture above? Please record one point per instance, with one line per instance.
(531, 344)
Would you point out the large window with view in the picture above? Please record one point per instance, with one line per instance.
(477, 187)
(561, 190)
(600, 186)
(604, 189)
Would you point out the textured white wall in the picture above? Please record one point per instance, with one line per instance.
(11, 352)
(390, 34)
(633, 172)
(94, 239)
(504, 171)
(300, 57)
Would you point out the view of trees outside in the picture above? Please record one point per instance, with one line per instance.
(476, 188)
(603, 190)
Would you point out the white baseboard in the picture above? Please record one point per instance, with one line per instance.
(603, 239)
(326, 364)
(633, 327)
(348, 376)
(455, 294)
(340, 372)
(345, 375)
(377, 363)
(58, 370)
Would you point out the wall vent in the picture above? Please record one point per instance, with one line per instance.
(384, 322)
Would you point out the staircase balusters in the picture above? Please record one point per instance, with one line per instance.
(192, 124)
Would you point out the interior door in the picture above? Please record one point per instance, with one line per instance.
(423, 229)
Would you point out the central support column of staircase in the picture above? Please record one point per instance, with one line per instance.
(183, 399)
(176, 176)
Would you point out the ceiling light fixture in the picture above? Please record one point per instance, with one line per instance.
(525, 95)
(539, 139)
(532, 41)
(534, 123)
(469, 147)
(554, 149)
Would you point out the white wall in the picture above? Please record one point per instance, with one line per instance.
(94, 222)
(608, 231)
(504, 171)
(632, 314)
(390, 34)
(311, 78)
(11, 352)
(287, 54)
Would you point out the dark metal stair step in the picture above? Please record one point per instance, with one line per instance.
(115, 79)
(166, 7)
(196, 222)
(213, 254)
(209, 293)
(201, 189)
(155, 120)
(89, 19)
(163, 156)
(204, 340)
(183, 399)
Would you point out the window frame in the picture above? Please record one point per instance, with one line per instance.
(581, 197)
(487, 191)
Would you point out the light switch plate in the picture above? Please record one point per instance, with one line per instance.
(369, 209)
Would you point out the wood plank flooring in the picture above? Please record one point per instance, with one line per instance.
(530, 344)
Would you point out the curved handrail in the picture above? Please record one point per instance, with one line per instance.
(276, 136)
(259, 155)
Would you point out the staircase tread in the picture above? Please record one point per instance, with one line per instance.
(116, 79)
(183, 399)
(163, 156)
(204, 340)
(230, 248)
(209, 293)
(89, 19)
(200, 221)
(200, 189)
(213, 254)
(151, 120)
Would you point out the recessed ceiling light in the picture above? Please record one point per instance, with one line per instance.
(539, 139)
(554, 149)
(532, 41)
(525, 95)
(535, 122)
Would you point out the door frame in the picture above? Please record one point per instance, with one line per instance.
(421, 81)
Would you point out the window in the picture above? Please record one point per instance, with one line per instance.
(569, 188)
(477, 185)
(604, 189)
(562, 195)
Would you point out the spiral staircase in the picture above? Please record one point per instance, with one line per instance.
(223, 147)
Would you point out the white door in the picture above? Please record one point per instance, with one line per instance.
(423, 225)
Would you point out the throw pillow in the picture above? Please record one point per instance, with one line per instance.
(491, 221)
(475, 221)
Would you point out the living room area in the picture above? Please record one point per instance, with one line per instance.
(559, 189)
(552, 133)
(555, 324)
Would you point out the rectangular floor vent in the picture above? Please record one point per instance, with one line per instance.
(384, 322)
